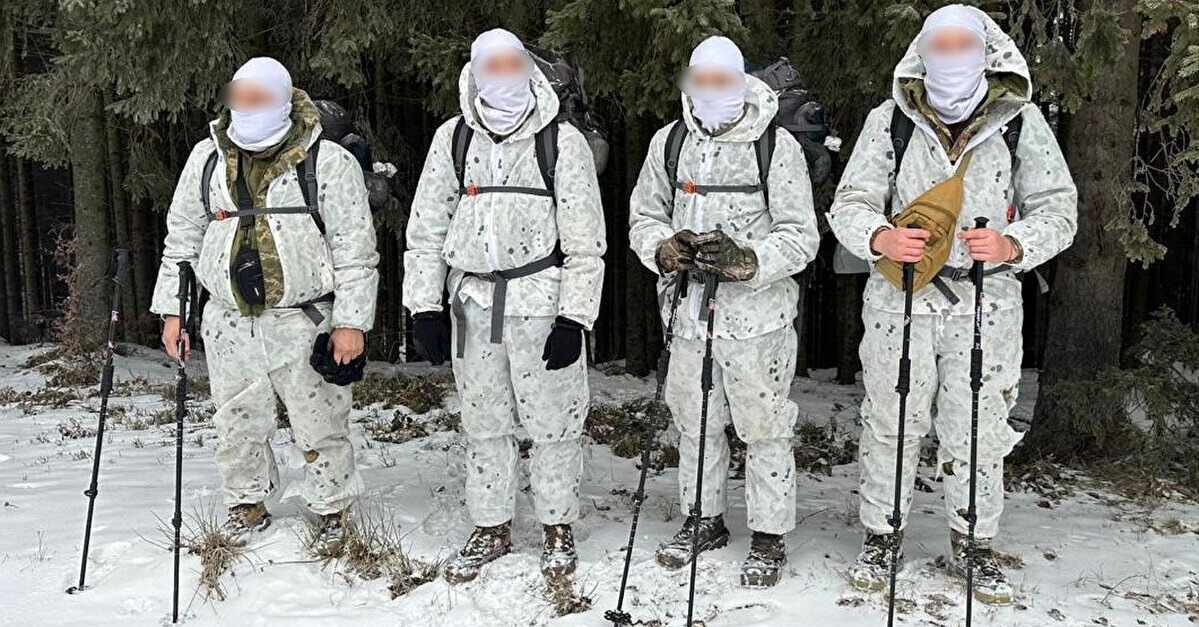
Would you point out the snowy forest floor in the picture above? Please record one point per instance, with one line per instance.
(1080, 550)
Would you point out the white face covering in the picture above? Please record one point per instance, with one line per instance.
(716, 109)
(955, 83)
(504, 103)
(255, 131)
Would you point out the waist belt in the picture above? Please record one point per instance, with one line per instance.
(960, 274)
(310, 310)
(499, 295)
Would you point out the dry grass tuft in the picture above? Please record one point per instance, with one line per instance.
(201, 536)
(565, 598)
(622, 427)
(419, 394)
(372, 549)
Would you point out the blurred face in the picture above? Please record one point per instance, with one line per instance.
(504, 65)
(950, 41)
(248, 96)
(711, 79)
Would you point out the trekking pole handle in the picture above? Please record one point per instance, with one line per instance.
(121, 268)
(980, 222)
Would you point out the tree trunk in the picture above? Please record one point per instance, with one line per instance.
(120, 220)
(88, 174)
(1090, 275)
(8, 248)
(849, 326)
(30, 257)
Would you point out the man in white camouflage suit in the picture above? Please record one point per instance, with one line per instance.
(280, 268)
(517, 238)
(720, 216)
(965, 86)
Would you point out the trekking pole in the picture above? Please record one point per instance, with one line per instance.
(705, 385)
(188, 297)
(118, 280)
(902, 386)
(618, 616)
(976, 384)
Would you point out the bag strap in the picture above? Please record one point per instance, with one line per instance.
(673, 150)
(764, 151)
(306, 176)
(1011, 137)
(206, 183)
(545, 146)
(902, 128)
(458, 147)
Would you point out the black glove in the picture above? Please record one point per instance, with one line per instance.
(718, 254)
(564, 345)
(431, 336)
(677, 252)
(338, 374)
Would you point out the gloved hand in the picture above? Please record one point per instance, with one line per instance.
(716, 253)
(431, 336)
(564, 345)
(324, 361)
(677, 252)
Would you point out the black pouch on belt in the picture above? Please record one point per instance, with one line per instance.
(247, 272)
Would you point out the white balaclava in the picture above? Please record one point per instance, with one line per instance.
(955, 83)
(502, 103)
(256, 131)
(716, 109)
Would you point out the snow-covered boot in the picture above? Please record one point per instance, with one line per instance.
(676, 553)
(872, 571)
(558, 556)
(485, 545)
(330, 534)
(245, 519)
(990, 584)
(767, 554)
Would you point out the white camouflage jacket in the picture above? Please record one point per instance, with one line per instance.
(342, 262)
(449, 234)
(784, 236)
(1040, 191)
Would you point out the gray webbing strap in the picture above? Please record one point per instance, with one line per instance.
(960, 274)
(499, 296)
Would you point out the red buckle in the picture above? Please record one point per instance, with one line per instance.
(221, 214)
(472, 190)
(689, 187)
(1011, 213)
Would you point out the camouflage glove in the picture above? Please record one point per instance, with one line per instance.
(677, 252)
(716, 253)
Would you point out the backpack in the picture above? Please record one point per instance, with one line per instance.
(337, 127)
(567, 83)
(802, 116)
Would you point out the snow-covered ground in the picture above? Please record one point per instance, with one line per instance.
(1088, 556)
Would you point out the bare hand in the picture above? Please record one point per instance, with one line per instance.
(987, 245)
(346, 344)
(901, 244)
(171, 336)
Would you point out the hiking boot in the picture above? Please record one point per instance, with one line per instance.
(558, 557)
(330, 534)
(990, 584)
(676, 553)
(486, 544)
(872, 571)
(767, 554)
(245, 519)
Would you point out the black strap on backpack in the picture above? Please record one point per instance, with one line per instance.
(673, 150)
(545, 146)
(305, 176)
(902, 128)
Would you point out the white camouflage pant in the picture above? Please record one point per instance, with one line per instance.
(497, 384)
(940, 381)
(751, 381)
(250, 360)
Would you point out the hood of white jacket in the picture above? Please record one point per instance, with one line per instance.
(761, 105)
(1003, 57)
(543, 113)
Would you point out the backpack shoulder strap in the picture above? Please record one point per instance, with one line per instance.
(902, 128)
(545, 146)
(459, 145)
(764, 151)
(306, 175)
(672, 151)
(1011, 137)
(206, 183)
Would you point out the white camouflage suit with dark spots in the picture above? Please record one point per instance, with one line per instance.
(1042, 192)
(755, 342)
(253, 359)
(450, 234)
